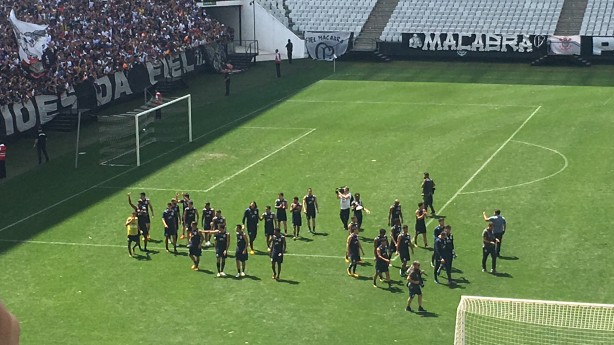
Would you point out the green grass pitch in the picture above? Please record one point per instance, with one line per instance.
(534, 142)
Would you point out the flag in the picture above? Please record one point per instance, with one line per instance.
(32, 39)
(326, 45)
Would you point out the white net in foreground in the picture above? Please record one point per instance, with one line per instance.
(486, 320)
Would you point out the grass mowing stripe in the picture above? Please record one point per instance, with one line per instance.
(460, 190)
(413, 103)
(251, 113)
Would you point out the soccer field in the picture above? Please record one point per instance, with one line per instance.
(540, 153)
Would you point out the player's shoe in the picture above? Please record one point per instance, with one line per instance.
(238, 275)
(401, 272)
(251, 252)
(408, 309)
(273, 277)
(483, 270)
(207, 244)
(193, 266)
(355, 275)
(493, 271)
(436, 281)
(268, 250)
(182, 237)
(348, 271)
(347, 260)
(218, 275)
(242, 274)
(222, 274)
(421, 309)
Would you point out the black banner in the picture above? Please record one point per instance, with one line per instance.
(20, 117)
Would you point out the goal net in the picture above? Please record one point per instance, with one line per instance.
(486, 320)
(141, 135)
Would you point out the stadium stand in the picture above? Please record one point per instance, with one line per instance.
(276, 8)
(473, 16)
(598, 19)
(318, 15)
(91, 39)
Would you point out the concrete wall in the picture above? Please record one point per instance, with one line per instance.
(228, 16)
(270, 33)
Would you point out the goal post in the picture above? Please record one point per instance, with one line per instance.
(138, 136)
(489, 320)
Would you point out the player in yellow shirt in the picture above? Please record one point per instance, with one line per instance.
(132, 228)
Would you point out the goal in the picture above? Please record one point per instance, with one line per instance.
(141, 135)
(486, 320)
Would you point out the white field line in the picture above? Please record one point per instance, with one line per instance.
(565, 165)
(272, 128)
(411, 103)
(100, 245)
(134, 168)
(460, 190)
(227, 177)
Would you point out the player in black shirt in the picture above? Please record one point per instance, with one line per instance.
(357, 207)
(382, 260)
(415, 285)
(278, 248)
(395, 212)
(378, 241)
(207, 217)
(185, 202)
(241, 251)
(190, 214)
(489, 242)
(195, 244)
(421, 224)
(439, 249)
(351, 228)
(177, 212)
(428, 189)
(438, 230)
(269, 225)
(251, 216)
(281, 205)
(403, 246)
(145, 206)
(297, 218)
(222, 243)
(143, 219)
(448, 253)
(310, 207)
(352, 250)
(395, 231)
(170, 227)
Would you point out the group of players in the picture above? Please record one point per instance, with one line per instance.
(214, 228)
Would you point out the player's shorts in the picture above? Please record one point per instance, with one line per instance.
(146, 219)
(239, 256)
(311, 214)
(206, 225)
(133, 238)
(195, 251)
(392, 247)
(381, 267)
(277, 257)
(170, 232)
(428, 199)
(420, 228)
(269, 231)
(354, 257)
(414, 290)
(143, 229)
(220, 253)
(252, 234)
(282, 217)
(404, 255)
(188, 223)
(297, 220)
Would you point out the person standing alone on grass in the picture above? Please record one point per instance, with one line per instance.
(499, 226)
(278, 63)
(40, 143)
(278, 248)
(310, 203)
(132, 228)
(289, 47)
(227, 82)
(252, 216)
(489, 242)
(2, 160)
(428, 189)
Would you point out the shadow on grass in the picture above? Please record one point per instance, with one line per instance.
(427, 314)
(205, 271)
(513, 258)
(502, 275)
(320, 234)
(287, 281)
(250, 278)
(304, 239)
(365, 263)
(366, 239)
(62, 191)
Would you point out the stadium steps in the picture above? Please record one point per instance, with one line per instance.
(373, 28)
(66, 120)
(241, 61)
(561, 60)
(570, 20)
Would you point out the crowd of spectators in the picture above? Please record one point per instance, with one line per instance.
(93, 38)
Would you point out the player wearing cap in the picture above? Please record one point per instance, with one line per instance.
(404, 245)
(241, 251)
(499, 227)
(395, 213)
(278, 248)
(133, 233)
(428, 189)
(352, 251)
(415, 285)
(251, 216)
(420, 224)
(310, 203)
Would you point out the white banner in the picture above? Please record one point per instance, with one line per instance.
(564, 45)
(327, 45)
(31, 38)
(603, 44)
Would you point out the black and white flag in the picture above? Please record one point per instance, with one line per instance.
(327, 45)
